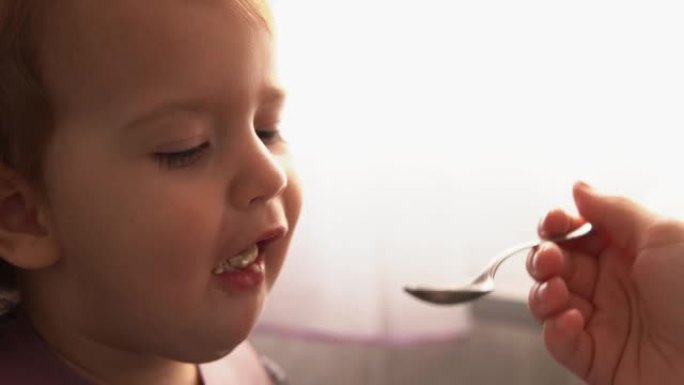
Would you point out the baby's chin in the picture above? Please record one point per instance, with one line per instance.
(206, 348)
(211, 342)
(202, 333)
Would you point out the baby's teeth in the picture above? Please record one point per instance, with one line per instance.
(238, 262)
(245, 258)
(257, 268)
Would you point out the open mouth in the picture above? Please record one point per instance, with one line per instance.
(243, 261)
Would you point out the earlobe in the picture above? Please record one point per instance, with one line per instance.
(26, 241)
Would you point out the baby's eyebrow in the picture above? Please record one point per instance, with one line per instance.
(270, 97)
(273, 96)
(167, 108)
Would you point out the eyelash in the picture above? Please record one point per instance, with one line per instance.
(180, 159)
(269, 136)
(185, 158)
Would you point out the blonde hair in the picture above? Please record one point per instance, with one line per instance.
(256, 10)
(24, 109)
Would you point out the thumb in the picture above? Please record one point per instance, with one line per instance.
(622, 220)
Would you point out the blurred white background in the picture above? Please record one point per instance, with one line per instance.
(429, 135)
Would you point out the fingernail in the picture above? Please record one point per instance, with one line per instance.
(540, 227)
(585, 186)
(534, 264)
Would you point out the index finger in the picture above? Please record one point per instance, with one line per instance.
(558, 222)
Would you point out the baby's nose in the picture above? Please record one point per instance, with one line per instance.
(261, 176)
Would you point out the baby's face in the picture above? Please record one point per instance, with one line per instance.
(165, 163)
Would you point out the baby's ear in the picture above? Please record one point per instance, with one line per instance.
(25, 238)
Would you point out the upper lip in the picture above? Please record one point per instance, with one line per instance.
(263, 239)
(270, 235)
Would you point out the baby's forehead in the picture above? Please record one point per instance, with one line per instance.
(119, 17)
(100, 51)
(124, 11)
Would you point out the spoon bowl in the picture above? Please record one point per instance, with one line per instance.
(484, 283)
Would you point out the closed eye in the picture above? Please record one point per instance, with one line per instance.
(269, 136)
(183, 158)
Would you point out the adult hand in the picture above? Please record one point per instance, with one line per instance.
(612, 303)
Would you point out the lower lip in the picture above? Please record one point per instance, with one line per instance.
(245, 279)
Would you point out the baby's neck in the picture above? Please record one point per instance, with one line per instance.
(108, 372)
(104, 365)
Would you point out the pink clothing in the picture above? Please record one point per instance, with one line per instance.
(26, 360)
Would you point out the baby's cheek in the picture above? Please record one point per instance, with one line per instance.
(190, 231)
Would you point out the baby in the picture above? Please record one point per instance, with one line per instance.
(146, 197)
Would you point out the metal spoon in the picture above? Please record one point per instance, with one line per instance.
(484, 283)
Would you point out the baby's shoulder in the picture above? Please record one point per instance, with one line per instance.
(17, 355)
(15, 344)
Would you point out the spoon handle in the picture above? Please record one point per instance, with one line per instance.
(492, 267)
(494, 264)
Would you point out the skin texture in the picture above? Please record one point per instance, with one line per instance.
(166, 159)
(612, 305)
